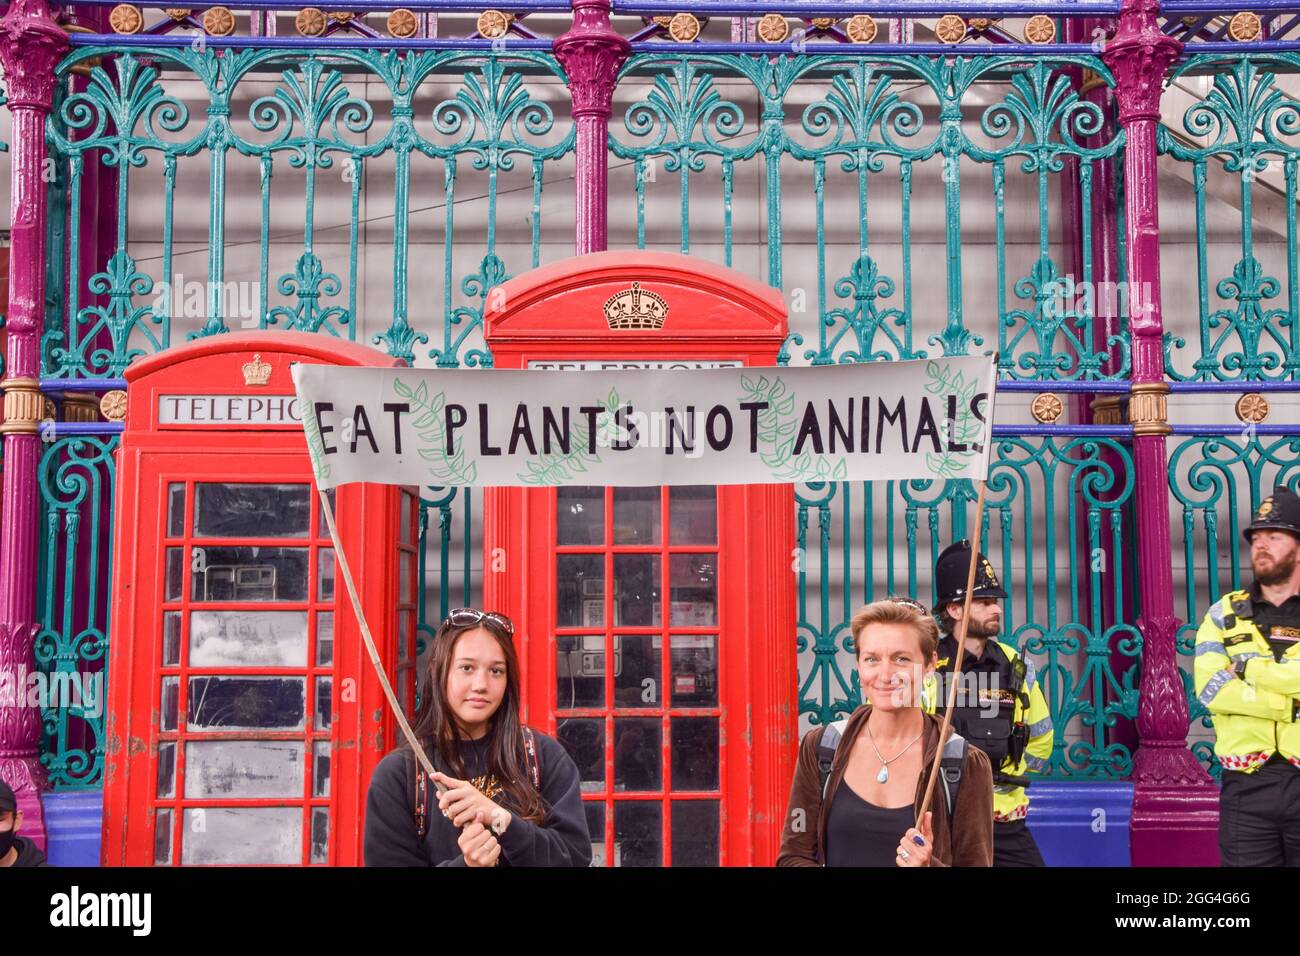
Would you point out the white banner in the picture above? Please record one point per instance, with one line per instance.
(724, 426)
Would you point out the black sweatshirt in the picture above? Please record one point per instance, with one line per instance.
(390, 833)
(29, 854)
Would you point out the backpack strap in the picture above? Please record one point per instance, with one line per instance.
(826, 750)
(530, 757)
(951, 765)
(420, 799)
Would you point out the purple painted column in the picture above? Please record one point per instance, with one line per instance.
(1174, 802)
(31, 44)
(591, 54)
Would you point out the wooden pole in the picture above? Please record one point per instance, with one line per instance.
(957, 661)
(346, 574)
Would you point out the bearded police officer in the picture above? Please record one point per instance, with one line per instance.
(1248, 676)
(1000, 707)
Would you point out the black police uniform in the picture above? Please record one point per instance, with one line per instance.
(1257, 810)
(998, 735)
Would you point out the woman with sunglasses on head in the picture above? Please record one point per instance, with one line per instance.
(503, 794)
(855, 802)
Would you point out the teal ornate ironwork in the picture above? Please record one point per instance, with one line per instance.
(313, 122)
(1242, 121)
(1070, 641)
(1053, 502)
(863, 123)
(71, 648)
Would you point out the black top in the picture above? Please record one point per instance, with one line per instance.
(29, 854)
(862, 834)
(391, 837)
(1279, 625)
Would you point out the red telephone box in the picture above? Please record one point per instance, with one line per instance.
(657, 624)
(244, 716)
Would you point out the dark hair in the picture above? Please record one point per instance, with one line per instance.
(435, 724)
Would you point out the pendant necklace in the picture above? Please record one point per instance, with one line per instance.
(883, 776)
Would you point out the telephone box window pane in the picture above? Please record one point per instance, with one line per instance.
(175, 574)
(243, 768)
(692, 514)
(171, 689)
(162, 837)
(695, 826)
(638, 833)
(324, 638)
(584, 739)
(224, 510)
(580, 515)
(246, 703)
(694, 580)
(324, 702)
(595, 811)
(695, 753)
(171, 655)
(580, 672)
(694, 674)
(325, 574)
(242, 835)
(407, 530)
(176, 510)
(404, 644)
(322, 526)
(321, 768)
(248, 638)
(166, 769)
(579, 589)
(638, 753)
(636, 515)
(249, 574)
(407, 577)
(320, 834)
(636, 590)
(638, 671)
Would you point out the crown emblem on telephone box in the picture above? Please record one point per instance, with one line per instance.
(257, 372)
(635, 308)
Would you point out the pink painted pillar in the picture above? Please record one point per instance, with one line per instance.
(1175, 817)
(31, 44)
(591, 54)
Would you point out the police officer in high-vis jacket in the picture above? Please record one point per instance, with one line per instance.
(1000, 707)
(1248, 676)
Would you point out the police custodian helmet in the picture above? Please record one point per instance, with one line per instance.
(1280, 512)
(951, 570)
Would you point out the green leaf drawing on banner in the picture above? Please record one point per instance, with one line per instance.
(560, 469)
(430, 424)
(777, 427)
(966, 429)
(315, 447)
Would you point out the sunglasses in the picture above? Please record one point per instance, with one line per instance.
(909, 603)
(465, 616)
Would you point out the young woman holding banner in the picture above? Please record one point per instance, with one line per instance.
(503, 794)
(856, 804)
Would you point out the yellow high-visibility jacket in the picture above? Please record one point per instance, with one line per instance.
(1011, 803)
(1253, 718)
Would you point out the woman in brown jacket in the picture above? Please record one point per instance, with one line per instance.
(878, 777)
